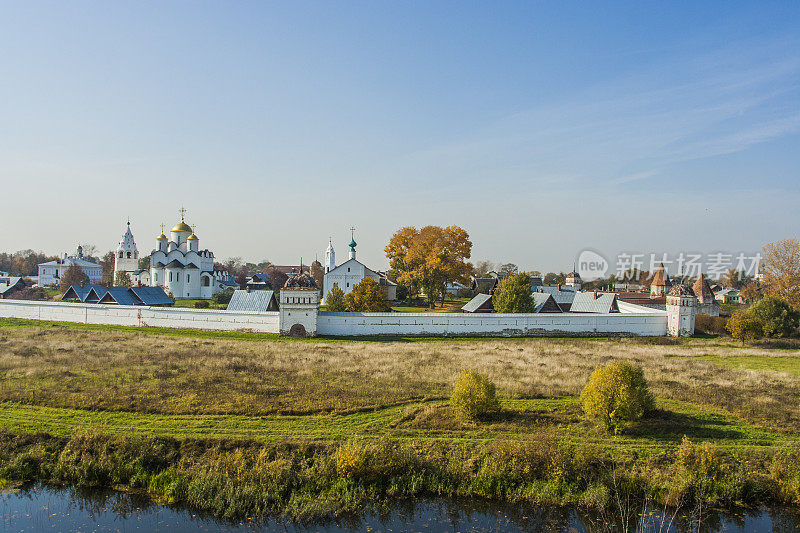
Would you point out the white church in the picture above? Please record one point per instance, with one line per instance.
(177, 264)
(348, 274)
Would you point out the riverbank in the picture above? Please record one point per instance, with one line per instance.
(243, 428)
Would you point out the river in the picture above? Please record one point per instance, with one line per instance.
(45, 508)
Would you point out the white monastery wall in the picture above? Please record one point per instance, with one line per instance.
(633, 320)
(128, 315)
(579, 324)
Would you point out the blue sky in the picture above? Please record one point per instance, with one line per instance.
(541, 128)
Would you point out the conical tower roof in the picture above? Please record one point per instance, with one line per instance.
(703, 290)
(660, 277)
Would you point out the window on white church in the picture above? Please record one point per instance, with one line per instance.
(120, 255)
(188, 277)
(170, 276)
(177, 276)
(129, 255)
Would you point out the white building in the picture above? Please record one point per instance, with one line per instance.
(350, 273)
(50, 273)
(126, 259)
(181, 267)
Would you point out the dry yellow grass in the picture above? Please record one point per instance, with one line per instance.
(138, 371)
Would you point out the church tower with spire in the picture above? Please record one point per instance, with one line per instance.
(126, 258)
(330, 257)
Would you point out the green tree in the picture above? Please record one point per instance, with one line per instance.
(73, 275)
(335, 300)
(744, 326)
(513, 295)
(122, 279)
(222, 297)
(617, 394)
(367, 296)
(778, 318)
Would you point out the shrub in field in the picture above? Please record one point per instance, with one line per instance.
(714, 325)
(779, 319)
(202, 304)
(474, 395)
(616, 394)
(744, 326)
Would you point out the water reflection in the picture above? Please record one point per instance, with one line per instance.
(41, 508)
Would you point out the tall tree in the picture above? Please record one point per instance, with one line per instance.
(107, 262)
(507, 269)
(482, 268)
(335, 300)
(513, 295)
(123, 279)
(317, 273)
(73, 275)
(367, 296)
(781, 267)
(428, 258)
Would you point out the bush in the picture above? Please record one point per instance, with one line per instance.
(744, 326)
(778, 318)
(713, 325)
(201, 304)
(474, 395)
(617, 394)
(223, 297)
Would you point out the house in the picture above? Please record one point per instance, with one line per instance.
(247, 300)
(9, 285)
(729, 296)
(485, 285)
(454, 288)
(594, 302)
(481, 303)
(350, 273)
(149, 296)
(545, 303)
(51, 272)
(562, 295)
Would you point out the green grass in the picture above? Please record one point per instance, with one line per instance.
(416, 421)
(190, 303)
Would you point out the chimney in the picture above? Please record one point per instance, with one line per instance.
(595, 295)
(81, 284)
(559, 287)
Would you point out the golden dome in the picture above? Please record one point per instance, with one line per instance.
(182, 226)
(192, 237)
(160, 237)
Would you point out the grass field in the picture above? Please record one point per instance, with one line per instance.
(306, 402)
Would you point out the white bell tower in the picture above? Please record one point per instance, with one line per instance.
(330, 257)
(126, 257)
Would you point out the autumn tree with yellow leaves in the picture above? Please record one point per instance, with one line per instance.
(426, 259)
(781, 267)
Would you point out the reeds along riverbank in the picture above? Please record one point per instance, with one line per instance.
(241, 478)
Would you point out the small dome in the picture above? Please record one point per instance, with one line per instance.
(182, 226)
(300, 281)
(680, 290)
(161, 237)
(352, 243)
(192, 237)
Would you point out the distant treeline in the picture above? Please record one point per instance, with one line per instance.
(23, 262)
